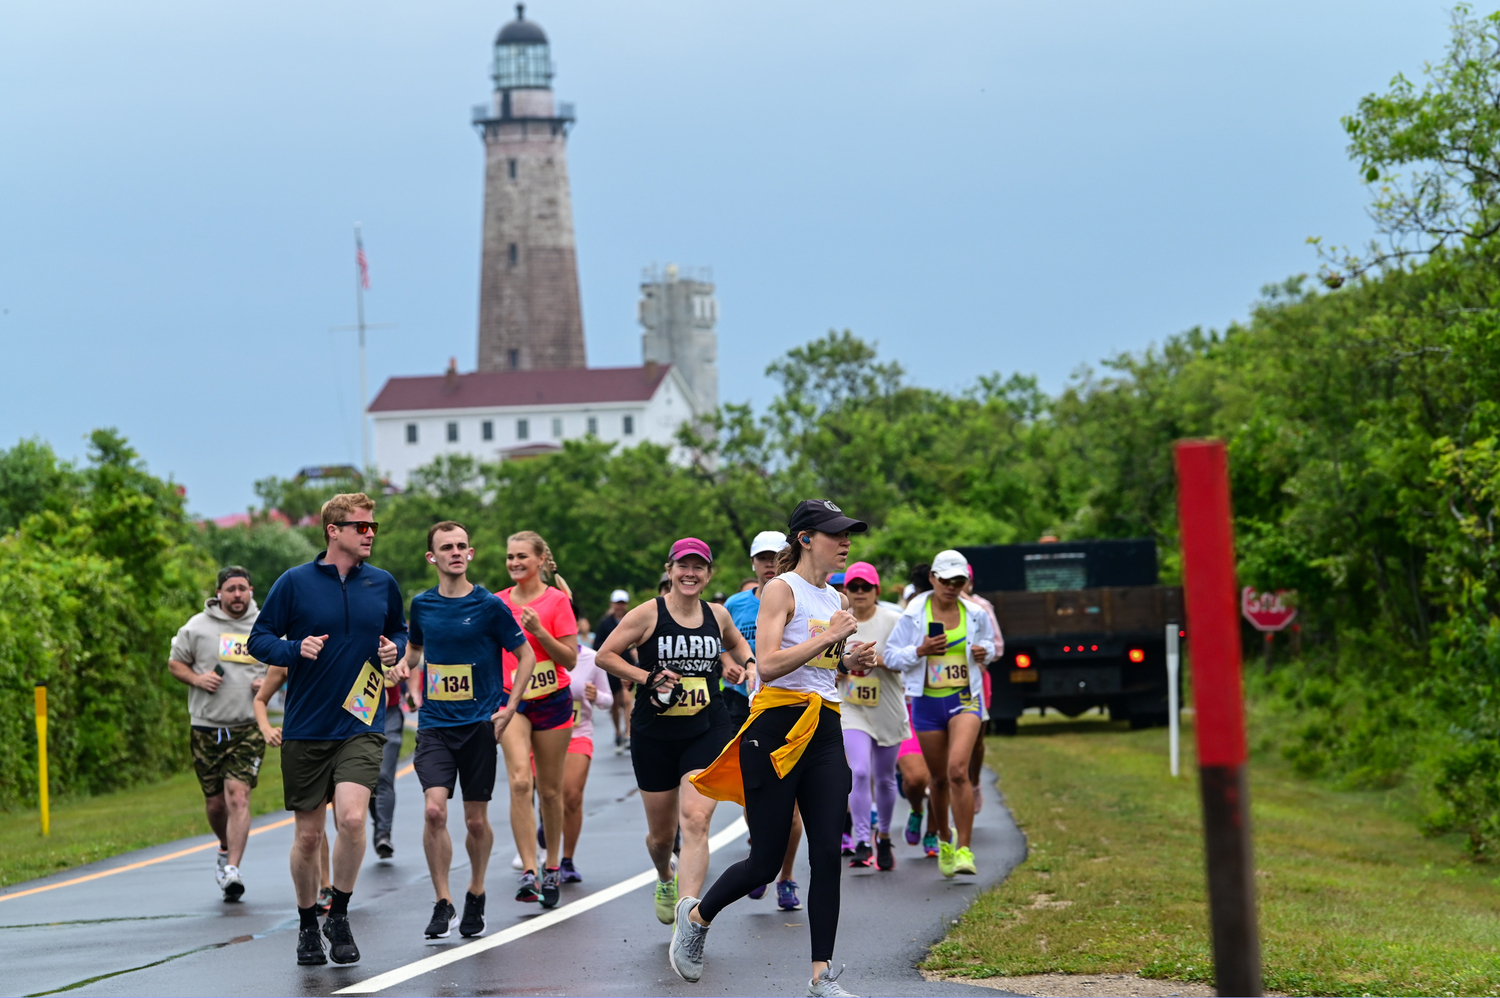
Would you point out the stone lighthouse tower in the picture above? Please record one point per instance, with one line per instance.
(529, 310)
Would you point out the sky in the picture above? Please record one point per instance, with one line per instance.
(976, 185)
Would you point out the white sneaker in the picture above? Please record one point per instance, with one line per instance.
(221, 860)
(827, 986)
(515, 864)
(686, 952)
(231, 883)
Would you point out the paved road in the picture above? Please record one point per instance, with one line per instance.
(161, 929)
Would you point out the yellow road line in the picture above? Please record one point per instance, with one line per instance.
(160, 859)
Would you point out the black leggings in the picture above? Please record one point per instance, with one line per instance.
(819, 784)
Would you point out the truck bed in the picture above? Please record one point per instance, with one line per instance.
(1110, 610)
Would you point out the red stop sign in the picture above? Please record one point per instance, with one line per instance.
(1267, 611)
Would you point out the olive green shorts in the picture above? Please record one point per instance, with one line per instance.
(221, 754)
(309, 770)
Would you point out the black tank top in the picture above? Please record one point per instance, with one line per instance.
(692, 653)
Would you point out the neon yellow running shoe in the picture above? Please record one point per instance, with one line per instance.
(964, 861)
(947, 857)
(666, 901)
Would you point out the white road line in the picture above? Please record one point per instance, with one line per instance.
(391, 978)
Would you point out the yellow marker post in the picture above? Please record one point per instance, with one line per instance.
(41, 755)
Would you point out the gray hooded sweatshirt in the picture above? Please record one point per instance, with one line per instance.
(213, 638)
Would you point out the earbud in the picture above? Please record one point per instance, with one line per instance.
(806, 541)
(431, 558)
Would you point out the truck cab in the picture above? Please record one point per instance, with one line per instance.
(1084, 624)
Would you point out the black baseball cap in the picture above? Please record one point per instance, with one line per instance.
(822, 515)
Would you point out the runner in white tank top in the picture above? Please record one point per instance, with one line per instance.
(813, 610)
(790, 753)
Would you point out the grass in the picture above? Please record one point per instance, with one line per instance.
(88, 829)
(1353, 900)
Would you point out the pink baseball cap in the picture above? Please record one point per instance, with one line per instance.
(691, 545)
(862, 570)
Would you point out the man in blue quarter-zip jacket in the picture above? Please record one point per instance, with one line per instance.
(336, 626)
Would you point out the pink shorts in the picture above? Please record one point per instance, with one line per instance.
(582, 746)
(910, 746)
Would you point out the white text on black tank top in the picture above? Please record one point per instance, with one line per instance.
(688, 654)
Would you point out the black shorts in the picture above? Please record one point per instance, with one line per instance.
(463, 752)
(310, 770)
(614, 683)
(661, 763)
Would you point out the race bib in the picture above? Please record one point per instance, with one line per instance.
(450, 682)
(694, 699)
(543, 680)
(949, 670)
(864, 691)
(235, 648)
(577, 713)
(830, 657)
(366, 693)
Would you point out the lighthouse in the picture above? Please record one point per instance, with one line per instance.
(530, 316)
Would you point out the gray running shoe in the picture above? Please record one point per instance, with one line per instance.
(827, 985)
(686, 952)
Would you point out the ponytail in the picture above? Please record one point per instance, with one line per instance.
(790, 555)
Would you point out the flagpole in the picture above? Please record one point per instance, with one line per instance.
(364, 394)
(361, 284)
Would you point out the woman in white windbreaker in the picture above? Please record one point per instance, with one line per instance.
(942, 643)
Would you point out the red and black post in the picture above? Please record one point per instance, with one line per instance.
(1218, 699)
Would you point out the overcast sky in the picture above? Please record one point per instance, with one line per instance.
(1012, 185)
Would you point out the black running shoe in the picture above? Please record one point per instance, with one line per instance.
(325, 901)
(862, 854)
(341, 948)
(527, 891)
(384, 849)
(885, 856)
(551, 888)
(310, 947)
(473, 923)
(443, 917)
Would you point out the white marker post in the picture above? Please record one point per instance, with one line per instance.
(1174, 666)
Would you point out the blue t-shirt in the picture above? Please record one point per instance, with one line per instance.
(463, 631)
(743, 609)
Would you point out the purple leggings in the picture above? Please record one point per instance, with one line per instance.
(866, 760)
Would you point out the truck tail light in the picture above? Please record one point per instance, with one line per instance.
(1137, 654)
(1023, 661)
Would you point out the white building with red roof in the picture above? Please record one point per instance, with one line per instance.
(498, 415)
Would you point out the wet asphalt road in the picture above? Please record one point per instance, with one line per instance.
(163, 930)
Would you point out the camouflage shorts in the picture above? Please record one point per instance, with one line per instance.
(221, 754)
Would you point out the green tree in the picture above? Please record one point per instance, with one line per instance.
(1432, 154)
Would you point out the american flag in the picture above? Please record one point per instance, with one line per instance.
(359, 258)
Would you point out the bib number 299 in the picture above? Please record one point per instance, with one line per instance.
(543, 681)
